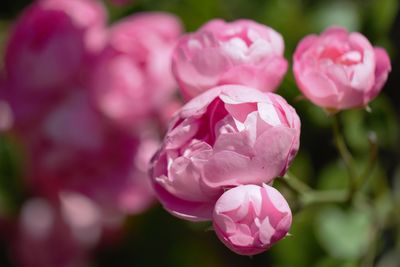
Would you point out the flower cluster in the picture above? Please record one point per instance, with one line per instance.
(225, 147)
(86, 101)
(88, 104)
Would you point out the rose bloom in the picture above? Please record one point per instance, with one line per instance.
(249, 219)
(228, 136)
(240, 52)
(133, 75)
(340, 70)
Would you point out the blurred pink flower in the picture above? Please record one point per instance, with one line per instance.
(47, 45)
(48, 54)
(241, 52)
(167, 111)
(44, 238)
(72, 149)
(133, 77)
(340, 70)
(90, 15)
(225, 137)
(249, 219)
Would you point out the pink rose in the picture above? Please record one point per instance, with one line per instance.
(225, 137)
(48, 44)
(241, 52)
(340, 70)
(249, 219)
(133, 77)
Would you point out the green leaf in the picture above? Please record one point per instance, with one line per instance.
(343, 234)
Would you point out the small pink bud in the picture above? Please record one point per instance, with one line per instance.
(249, 219)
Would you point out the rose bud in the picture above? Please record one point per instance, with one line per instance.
(340, 70)
(240, 52)
(249, 219)
(225, 137)
(133, 75)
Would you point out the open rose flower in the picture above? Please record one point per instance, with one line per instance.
(133, 75)
(241, 52)
(340, 70)
(249, 219)
(228, 136)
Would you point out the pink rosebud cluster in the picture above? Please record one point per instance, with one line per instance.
(340, 70)
(86, 102)
(240, 52)
(225, 138)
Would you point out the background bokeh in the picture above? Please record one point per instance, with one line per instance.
(321, 236)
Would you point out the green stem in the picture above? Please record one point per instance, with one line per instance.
(325, 196)
(308, 196)
(373, 156)
(295, 184)
(342, 147)
(345, 155)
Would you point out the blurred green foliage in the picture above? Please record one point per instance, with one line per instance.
(321, 236)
